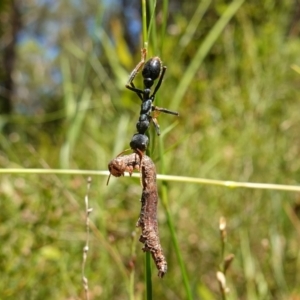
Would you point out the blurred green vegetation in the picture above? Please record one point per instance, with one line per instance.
(239, 120)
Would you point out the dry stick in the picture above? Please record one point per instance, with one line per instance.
(226, 261)
(221, 274)
(86, 247)
(148, 216)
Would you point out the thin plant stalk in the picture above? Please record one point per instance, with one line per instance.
(88, 210)
(148, 277)
(193, 24)
(132, 273)
(152, 26)
(164, 198)
(165, 22)
(144, 20)
(225, 183)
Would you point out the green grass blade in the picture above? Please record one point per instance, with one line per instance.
(165, 12)
(152, 32)
(203, 51)
(74, 128)
(132, 273)
(193, 24)
(69, 97)
(148, 275)
(120, 73)
(165, 203)
(144, 20)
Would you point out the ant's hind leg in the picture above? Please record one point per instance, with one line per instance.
(156, 125)
(164, 110)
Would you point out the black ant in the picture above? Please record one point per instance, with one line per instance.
(152, 70)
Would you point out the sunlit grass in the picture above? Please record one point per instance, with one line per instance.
(233, 152)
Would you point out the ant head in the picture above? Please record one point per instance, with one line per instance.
(140, 142)
(152, 69)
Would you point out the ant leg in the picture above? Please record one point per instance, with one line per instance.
(130, 85)
(160, 109)
(156, 125)
(156, 113)
(134, 89)
(159, 82)
(164, 110)
(138, 67)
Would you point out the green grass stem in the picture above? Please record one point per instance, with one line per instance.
(148, 275)
(170, 222)
(146, 32)
(152, 31)
(165, 12)
(203, 50)
(132, 273)
(144, 22)
(193, 24)
(185, 179)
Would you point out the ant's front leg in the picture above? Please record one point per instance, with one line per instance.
(137, 68)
